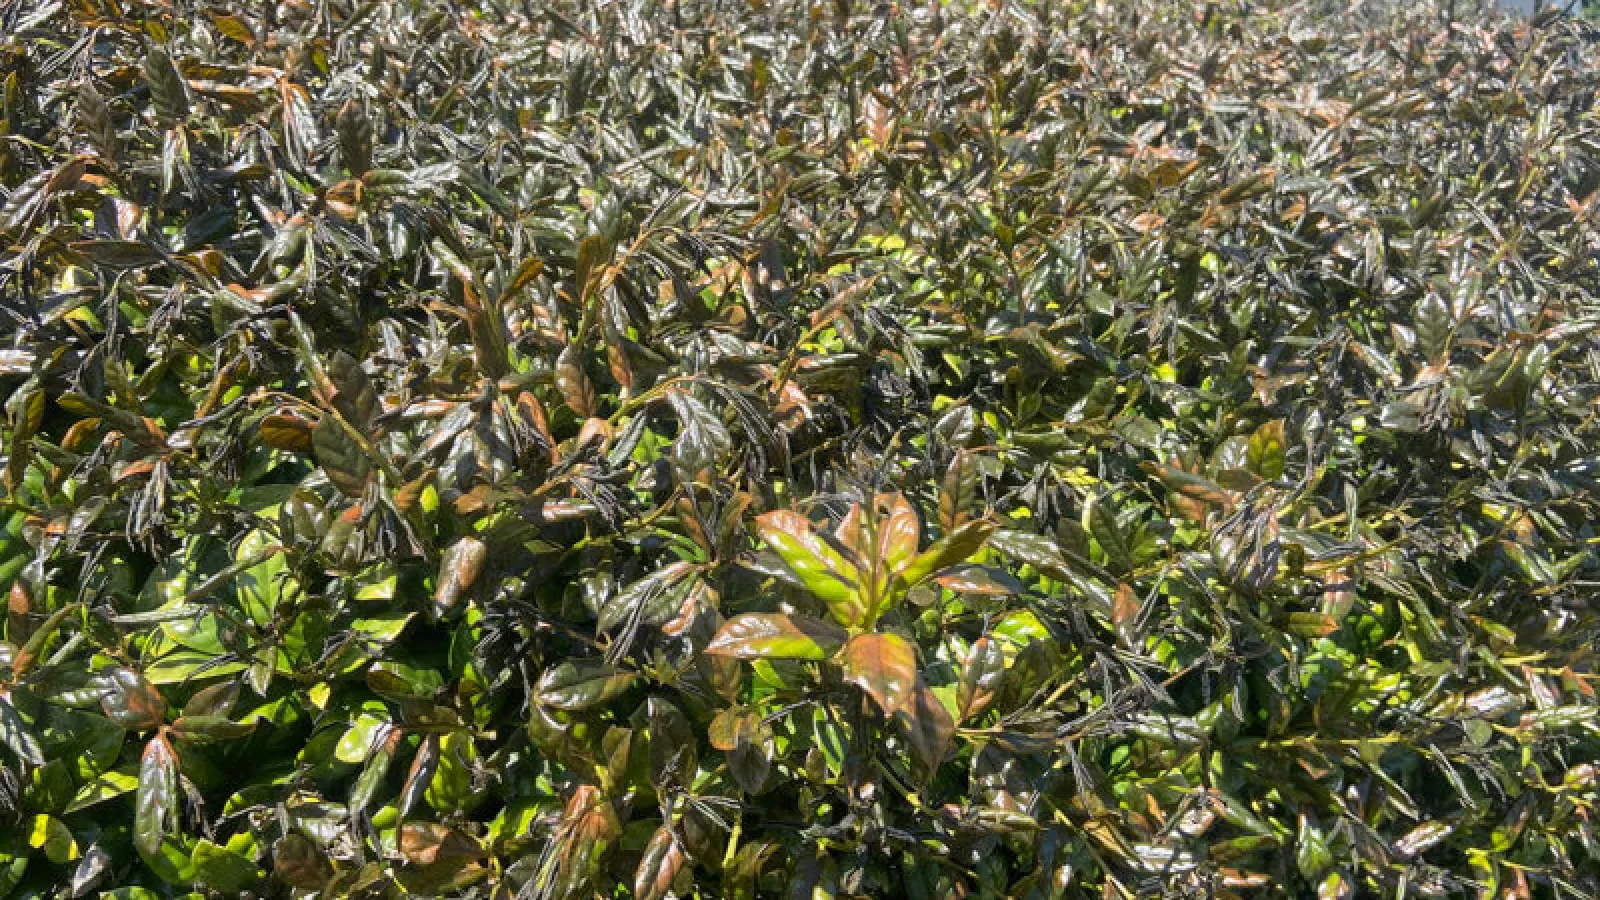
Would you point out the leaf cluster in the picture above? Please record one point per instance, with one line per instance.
(725, 449)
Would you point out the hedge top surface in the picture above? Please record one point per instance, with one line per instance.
(774, 449)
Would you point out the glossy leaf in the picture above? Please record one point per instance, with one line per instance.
(1267, 449)
(950, 549)
(660, 866)
(883, 665)
(822, 569)
(774, 636)
(581, 684)
(458, 572)
(131, 701)
(155, 818)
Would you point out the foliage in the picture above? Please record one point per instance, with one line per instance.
(723, 449)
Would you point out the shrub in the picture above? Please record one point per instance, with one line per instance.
(702, 448)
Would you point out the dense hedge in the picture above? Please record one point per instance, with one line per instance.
(783, 449)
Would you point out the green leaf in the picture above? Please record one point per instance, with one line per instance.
(16, 735)
(1267, 449)
(155, 815)
(209, 729)
(263, 587)
(106, 786)
(822, 569)
(223, 869)
(652, 600)
(52, 835)
(1101, 521)
(358, 741)
(1035, 550)
(830, 738)
(774, 636)
(954, 547)
(702, 438)
(451, 789)
(341, 458)
(1311, 854)
(581, 684)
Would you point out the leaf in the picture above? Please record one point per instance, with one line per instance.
(209, 729)
(115, 254)
(235, 28)
(16, 735)
(573, 382)
(341, 458)
(52, 835)
(166, 84)
(290, 433)
(1434, 322)
(487, 327)
(224, 869)
(750, 757)
(898, 533)
(982, 677)
(775, 636)
(818, 566)
(674, 754)
(300, 863)
(155, 815)
(1189, 484)
(1125, 609)
(581, 684)
(131, 701)
(958, 490)
(652, 600)
(702, 438)
(830, 738)
(954, 547)
(1101, 522)
(1038, 551)
(264, 585)
(883, 665)
(981, 580)
(458, 572)
(660, 866)
(429, 843)
(1310, 624)
(927, 724)
(353, 395)
(1266, 450)
(1312, 856)
(594, 255)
